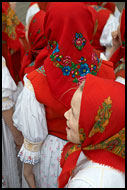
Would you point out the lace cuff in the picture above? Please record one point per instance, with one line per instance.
(30, 152)
(7, 104)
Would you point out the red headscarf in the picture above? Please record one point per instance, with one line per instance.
(98, 13)
(69, 55)
(101, 127)
(37, 42)
(119, 55)
(108, 5)
(12, 30)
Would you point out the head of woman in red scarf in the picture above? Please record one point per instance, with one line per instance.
(69, 57)
(95, 126)
(118, 57)
(36, 38)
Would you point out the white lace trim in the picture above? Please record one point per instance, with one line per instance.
(28, 157)
(7, 104)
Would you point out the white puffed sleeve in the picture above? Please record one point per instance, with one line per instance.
(117, 13)
(110, 26)
(8, 87)
(32, 10)
(29, 117)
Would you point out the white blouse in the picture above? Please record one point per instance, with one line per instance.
(8, 87)
(110, 26)
(88, 174)
(29, 117)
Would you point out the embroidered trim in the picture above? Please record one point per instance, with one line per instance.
(79, 41)
(114, 144)
(82, 135)
(41, 70)
(31, 64)
(102, 118)
(28, 159)
(73, 149)
(33, 147)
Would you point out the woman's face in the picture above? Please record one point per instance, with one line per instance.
(72, 116)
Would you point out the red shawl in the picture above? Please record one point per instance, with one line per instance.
(37, 42)
(101, 127)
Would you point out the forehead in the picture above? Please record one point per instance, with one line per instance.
(76, 100)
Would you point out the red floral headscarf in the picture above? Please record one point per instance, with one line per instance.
(119, 55)
(69, 55)
(37, 42)
(101, 127)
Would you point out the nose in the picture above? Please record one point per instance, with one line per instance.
(66, 114)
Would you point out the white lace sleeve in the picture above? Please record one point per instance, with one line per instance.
(8, 87)
(110, 26)
(29, 117)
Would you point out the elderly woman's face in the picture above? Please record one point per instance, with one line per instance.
(72, 116)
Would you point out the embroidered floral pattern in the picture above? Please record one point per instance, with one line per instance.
(72, 149)
(9, 23)
(28, 159)
(98, 8)
(102, 118)
(79, 41)
(82, 135)
(41, 70)
(68, 67)
(115, 144)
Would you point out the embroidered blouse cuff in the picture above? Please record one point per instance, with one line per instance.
(7, 104)
(30, 152)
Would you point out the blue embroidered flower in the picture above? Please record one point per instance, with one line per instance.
(66, 70)
(84, 69)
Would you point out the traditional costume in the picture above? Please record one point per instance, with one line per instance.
(61, 66)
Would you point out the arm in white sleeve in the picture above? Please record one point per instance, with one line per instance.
(29, 117)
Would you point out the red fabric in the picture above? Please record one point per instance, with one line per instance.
(98, 92)
(36, 40)
(98, 13)
(120, 52)
(12, 32)
(108, 5)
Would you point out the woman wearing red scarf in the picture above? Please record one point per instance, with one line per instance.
(13, 40)
(36, 39)
(117, 55)
(96, 129)
(60, 68)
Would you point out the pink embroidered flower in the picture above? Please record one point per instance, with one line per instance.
(67, 60)
(79, 42)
